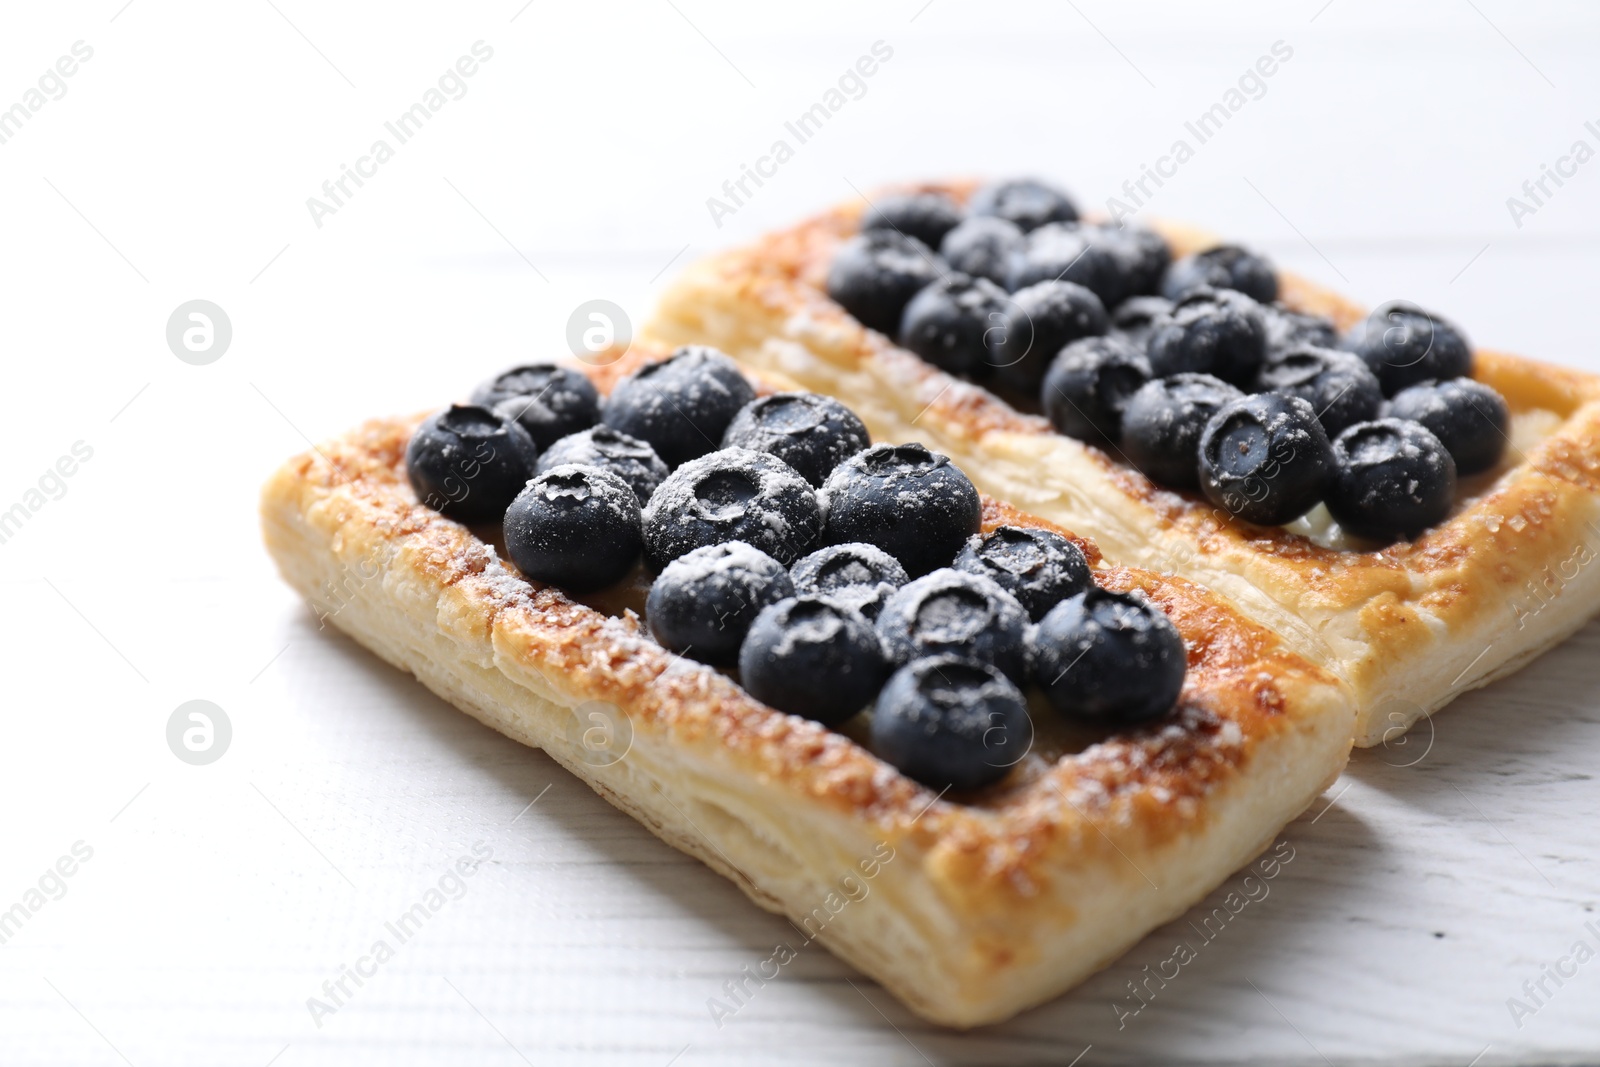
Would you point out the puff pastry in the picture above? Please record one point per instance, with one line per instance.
(1505, 577)
(967, 911)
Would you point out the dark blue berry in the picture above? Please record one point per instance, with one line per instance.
(1265, 458)
(983, 247)
(950, 322)
(856, 574)
(701, 605)
(732, 495)
(1392, 480)
(1470, 418)
(815, 657)
(1110, 659)
(914, 504)
(680, 405)
(574, 527)
(1337, 385)
(1223, 267)
(629, 458)
(1217, 332)
(1404, 345)
(1290, 329)
(810, 432)
(547, 400)
(951, 723)
(1068, 252)
(1039, 322)
(925, 216)
(1162, 424)
(956, 612)
(469, 463)
(1024, 201)
(1136, 318)
(1089, 384)
(1038, 567)
(875, 274)
(1143, 254)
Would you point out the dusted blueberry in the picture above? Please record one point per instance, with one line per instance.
(925, 216)
(1470, 418)
(855, 574)
(1223, 267)
(1107, 658)
(875, 274)
(1337, 385)
(1404, 345)
(815, 657)
(682, 404)
(1392, 480)
(810, 432)
(1288, 329)
(914, 504)
(957, 612)
(949, 323)
(1146, 256)
(983, 246)
(1162, 424)
(469, 463)
(547, 400)
(574, 527)
(629, 458)
(1136, 318)
(1024, 201)
(1088, 386)
(732, 495)
(1265, 458)
(1066, 251)
(703, 602)
(1216, 332)
(1038, 567)
(1039, 322)
(951, 723)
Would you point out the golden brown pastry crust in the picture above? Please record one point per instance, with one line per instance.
(984, 906)
(1408, 627)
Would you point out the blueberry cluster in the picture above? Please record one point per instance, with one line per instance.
(832, 573)
(1188, 369)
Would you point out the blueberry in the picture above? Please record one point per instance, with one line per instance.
(682, 404)
(983, 246)
(1136, 318)
(1404, 345)
(1265, 458)
(1217, 332)
(951, 723)
(815, 657)
(1144, 253)
(1289, 329)
(1392, 480)
(547, 400)
(810, 432)
(914, 504)
(1337, 385)
(925, 216)
(1040, 321)
(855, 574)
(702, 603)
(1162, 423)
(1469, 417)
(469, 463)
(1066, 251)
(1040, 568)
(732, 495)
(574, 527)
(957, 612)
(629, 458)
(1108, 658)
(1024, 201)
(949, 323)
(1089, 384)
(1222, 267)
(875, 274)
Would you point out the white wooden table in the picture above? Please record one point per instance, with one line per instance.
(1426, 887)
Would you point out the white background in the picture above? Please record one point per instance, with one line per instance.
(577, 166)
